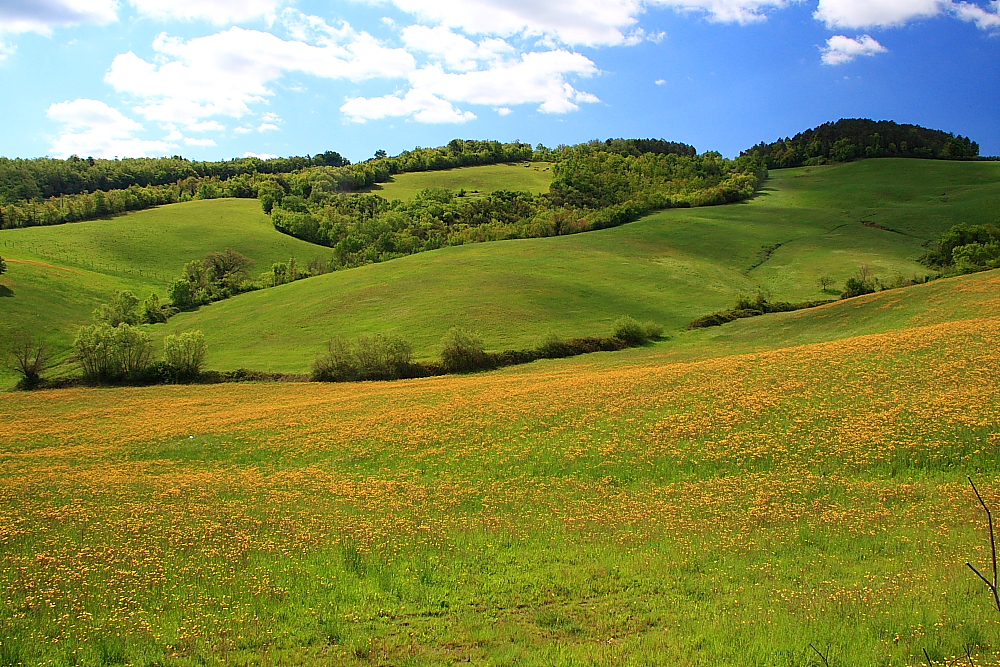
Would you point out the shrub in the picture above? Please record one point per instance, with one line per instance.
(185, 354)
(154, 312)
(3, 266)
(463, 352)
(112, 354)
(181, 294)
(379, 357)
(122, 309)
(652, 330)
(629, 330)
(856, 286)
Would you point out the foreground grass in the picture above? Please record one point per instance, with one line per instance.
(670, 267)
(612, 509)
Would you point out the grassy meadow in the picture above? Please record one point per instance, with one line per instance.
(782, 491)
(670, 267)
(613, 509)
(58, 275)
(530, 176)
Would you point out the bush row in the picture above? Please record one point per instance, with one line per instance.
(387, 357)
(747, 306)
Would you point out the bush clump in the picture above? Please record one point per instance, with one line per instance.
(111, 355)
(634, 332)
(378, 357)
(463, 352)
(184, 354)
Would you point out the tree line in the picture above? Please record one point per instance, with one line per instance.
(854, 138)
(50, 192)
(595, 185)
(41, 178)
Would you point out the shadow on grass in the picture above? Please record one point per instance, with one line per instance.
(6, 291)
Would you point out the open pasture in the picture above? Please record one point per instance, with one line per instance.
(670, 267)
(528, 176)
(614, 509)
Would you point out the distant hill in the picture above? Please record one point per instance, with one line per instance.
(852, 138)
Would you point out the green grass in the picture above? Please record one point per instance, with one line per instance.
(670, 267)
(530, 176)
(58, 275)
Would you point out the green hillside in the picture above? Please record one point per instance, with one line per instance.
(58, 275)
(531, 176)
(670, 267)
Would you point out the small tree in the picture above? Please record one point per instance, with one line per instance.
(27, 357)
(825, 282)
(3, 266)
(185, 354)
(462, 352)
(181, 294)
(122, 309)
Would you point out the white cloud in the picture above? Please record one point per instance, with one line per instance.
(536, 78)
(504, 111)
(215, 11)
(660, 82)
(572, 22)
(985, 19)
(872, 13)
(207, 126)
(188, 141)
(840, 49)
(93, 128)
(243, 130)
(262, 156)
(423, 106)
(728, 11)
(270, 117)
(222, 74)
(267, 127)
(42, 15)
(452, 50)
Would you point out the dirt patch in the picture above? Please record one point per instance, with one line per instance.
(43, 265)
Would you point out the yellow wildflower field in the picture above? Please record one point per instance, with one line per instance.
(777, 508)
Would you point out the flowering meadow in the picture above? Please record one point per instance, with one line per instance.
(786, 508)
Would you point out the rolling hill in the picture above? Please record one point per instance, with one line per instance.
(670, 267)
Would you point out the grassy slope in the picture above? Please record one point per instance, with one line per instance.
(603, 510)
(670, 267)
(58, 275)
(533, 177)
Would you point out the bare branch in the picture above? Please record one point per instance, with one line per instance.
(821, 656)
(992, 585)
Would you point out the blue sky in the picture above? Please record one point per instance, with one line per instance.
(213, 79)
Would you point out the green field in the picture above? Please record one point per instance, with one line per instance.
(58, 275)
(782, 491)
(530, 176)
(670, 267)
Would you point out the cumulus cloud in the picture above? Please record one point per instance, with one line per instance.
(214, 11)
(840, 49)
(223, 74)
(455, 51)
(573, 22)
(188, 141)
(534, 78)
(93, 128)
(42, 15)
(421, 105)
(262, 156)
(985, 19)
(872, 13)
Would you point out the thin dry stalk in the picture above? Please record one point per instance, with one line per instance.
(992, 585)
